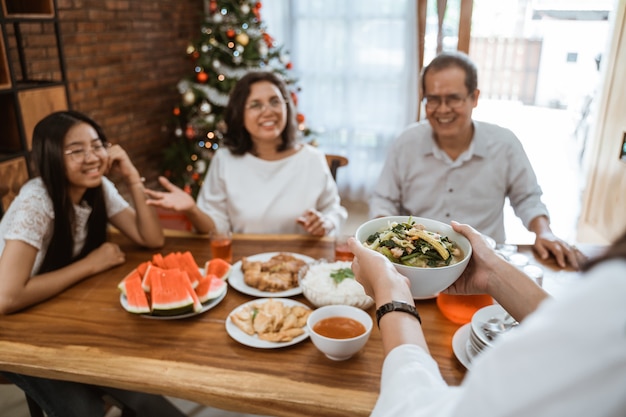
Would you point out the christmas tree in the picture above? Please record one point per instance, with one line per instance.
(233, 41)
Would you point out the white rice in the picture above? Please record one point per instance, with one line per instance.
(320, 289)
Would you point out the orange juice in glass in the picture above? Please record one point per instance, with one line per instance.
(342, 251)
(222, 246)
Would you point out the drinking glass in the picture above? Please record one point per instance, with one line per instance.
(342, 251)
(222, 245)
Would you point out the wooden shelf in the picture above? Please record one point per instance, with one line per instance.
(25, 9)
(14, 174)
(38, 103)
(5, 78)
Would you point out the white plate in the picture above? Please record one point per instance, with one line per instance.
(484, 314)
(254, 341)
(205, 307)
(235, 279)
(459, 341)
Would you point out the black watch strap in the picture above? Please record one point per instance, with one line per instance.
(396, 306)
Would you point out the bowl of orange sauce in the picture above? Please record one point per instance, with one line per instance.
(339, 331)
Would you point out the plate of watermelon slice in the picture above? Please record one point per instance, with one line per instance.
(171, 287)
(236, 279)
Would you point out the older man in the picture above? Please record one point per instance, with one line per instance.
(455, 168)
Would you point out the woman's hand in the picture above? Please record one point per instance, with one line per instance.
(377, 275)
(315, 223)
(119, 163)
(106, 256)
(174, 198)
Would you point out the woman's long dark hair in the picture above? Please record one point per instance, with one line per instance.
(48, 160)
(237, 138)
(616, 250)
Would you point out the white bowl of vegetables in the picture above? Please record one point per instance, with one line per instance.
(428, 252)
(330, 283)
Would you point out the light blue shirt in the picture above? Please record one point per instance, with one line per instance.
(419, 179)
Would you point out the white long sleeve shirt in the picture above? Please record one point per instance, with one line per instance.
(419, 179)
(247, 194)
(566, 359)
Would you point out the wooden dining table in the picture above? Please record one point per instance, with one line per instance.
(85, 335)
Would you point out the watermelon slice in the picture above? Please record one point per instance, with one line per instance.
(217, 267)
(136, 299)
(170, 296)
(187, 263)
(210, 287)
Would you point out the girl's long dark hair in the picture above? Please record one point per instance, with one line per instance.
(48, 161)
(616, 250)
(237, 138)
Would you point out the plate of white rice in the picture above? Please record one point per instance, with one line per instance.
(327, 283)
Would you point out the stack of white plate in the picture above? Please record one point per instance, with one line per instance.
(487, 325)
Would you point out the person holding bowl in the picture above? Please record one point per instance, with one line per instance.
(566, 358)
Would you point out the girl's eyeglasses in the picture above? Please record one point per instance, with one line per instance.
(79, 155)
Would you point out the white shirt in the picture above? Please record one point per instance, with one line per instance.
(30, 218)
(247, 194)
(419, 179)
(566, 359)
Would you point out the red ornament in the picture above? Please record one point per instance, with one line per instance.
(195, 176)
(300, 117)
(213, 6)
(288, 65)
(230, 33)
(269, 41)
(189, 132)
(258, 5)
(202, 77)
(176, 111)
(195, 55)
(187, 189)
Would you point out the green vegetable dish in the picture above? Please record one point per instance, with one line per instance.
(412, 245)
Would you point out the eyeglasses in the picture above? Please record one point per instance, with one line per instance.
(274, 104)
(79, 155)
(453, 101)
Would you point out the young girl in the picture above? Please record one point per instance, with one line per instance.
(53, 235)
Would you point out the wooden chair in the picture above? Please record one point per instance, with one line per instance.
(335, 162)
(33, 407)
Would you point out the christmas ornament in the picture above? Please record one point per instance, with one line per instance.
(202, 77)
(243, 39)
(189, 98)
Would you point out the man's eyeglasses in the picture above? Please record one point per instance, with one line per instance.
(274, 104)
(453, 101)
(79, 155)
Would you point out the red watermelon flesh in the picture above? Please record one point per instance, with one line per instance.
(136, 299)
(217, 267)
(169, 294)
(146, 283)
(210, 287)
(141, 268)
(184, 280)
(187, 263)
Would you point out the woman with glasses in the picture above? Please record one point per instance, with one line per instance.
(53, 235)
(452, 167)
(263, 179)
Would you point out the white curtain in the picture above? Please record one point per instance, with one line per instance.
(356, 64)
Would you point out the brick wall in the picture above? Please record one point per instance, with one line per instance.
(123, 59)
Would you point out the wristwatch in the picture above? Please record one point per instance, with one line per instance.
(396, 306)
